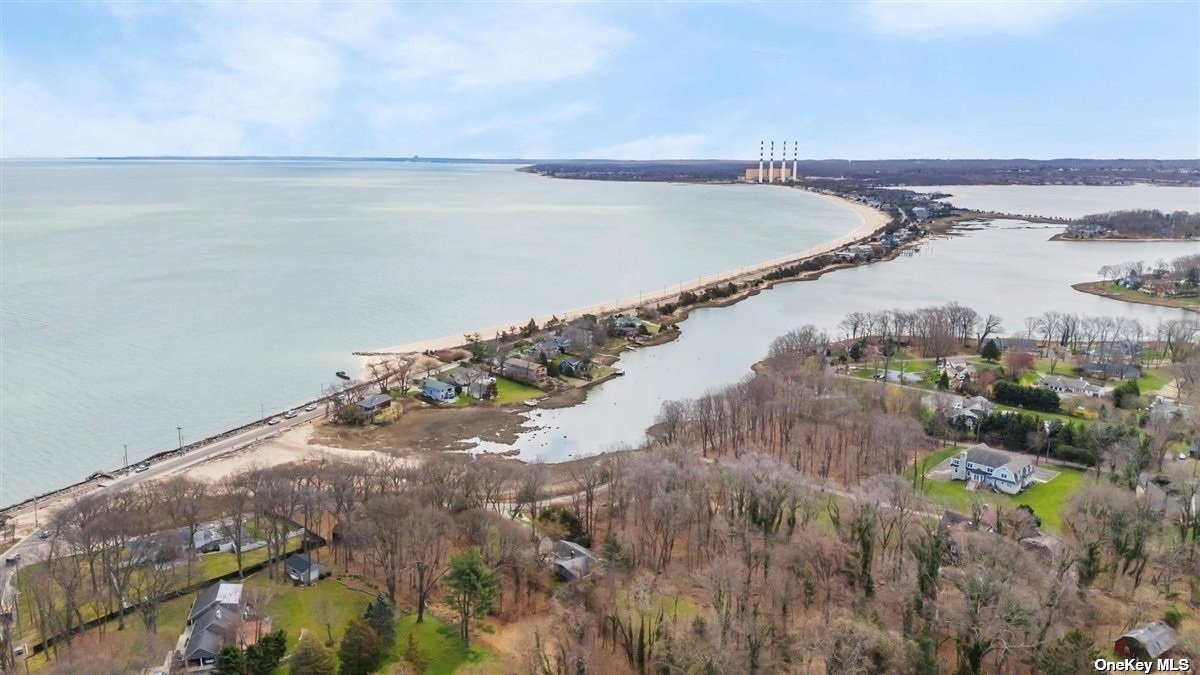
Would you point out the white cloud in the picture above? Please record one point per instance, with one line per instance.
(933, 19)
(260, 78)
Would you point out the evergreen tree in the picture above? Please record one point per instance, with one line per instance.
(1071, 653)
(943, 381)
(230, 661)
(990, 351)
(312, 657)
(262, 657)
(413, 655)
(360, 651)
(381, 617)
(471, 589)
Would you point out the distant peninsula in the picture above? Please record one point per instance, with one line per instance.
(1140, 225)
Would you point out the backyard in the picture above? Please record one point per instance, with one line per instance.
(1046, 499)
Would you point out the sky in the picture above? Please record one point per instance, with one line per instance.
(633, 80)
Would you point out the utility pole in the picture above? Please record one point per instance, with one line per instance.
(126, 454)
(179, 430)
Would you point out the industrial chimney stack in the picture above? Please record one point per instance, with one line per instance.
(760, 160)
(771, 165)
(795, 160)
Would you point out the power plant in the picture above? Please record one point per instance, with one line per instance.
(785, 175)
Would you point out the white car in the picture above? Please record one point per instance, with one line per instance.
(310, 407)
(1183, 455)
(290, 414)
(140, 467)
(274, 420)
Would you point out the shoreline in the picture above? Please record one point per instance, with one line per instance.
(1098, 288)
(1135, 240)
(871, 221)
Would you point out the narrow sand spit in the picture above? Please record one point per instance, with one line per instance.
(871, 221)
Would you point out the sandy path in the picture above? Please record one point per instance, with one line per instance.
(292, 446)
(871, 220)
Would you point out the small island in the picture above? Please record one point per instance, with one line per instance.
(1138, 225)
(1175, 283)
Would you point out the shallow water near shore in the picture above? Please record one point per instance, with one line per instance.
(142, 296)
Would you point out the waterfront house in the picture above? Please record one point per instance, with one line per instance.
(1075, 386)
(438, 391)
(471, 380)
(302, 570)
(1151, 641)
(627, 324)
(525, 371)
(573, 366)
(373, 405)
(214, 621)
(1003, 471)
(577, 338)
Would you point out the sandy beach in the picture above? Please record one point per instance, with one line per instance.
(871, 220)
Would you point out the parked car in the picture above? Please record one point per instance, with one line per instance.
(141, 466)
(310, 407)
(274, 420)
(44, 535)
(291, 414)
(1183, 455)
(12, 559)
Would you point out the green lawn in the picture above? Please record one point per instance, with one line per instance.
(438, 643)
(213, 565)
(1152, 380)
(509, 392)
(297, 608)
(1046, 499)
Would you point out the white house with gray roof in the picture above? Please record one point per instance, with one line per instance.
(1004, 471)
(1075, 386)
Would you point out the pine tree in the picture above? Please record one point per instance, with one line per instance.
(1071, 653)
(230, 661)
(413, 655)
(263, 657)
(471, 589)
(943, 381)
(312, 657)
(990, 351)
(360, 651)
(381, 617)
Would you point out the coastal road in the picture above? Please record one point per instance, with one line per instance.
(32, 549)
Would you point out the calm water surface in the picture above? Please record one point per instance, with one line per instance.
(1009, 269)
(140, 296)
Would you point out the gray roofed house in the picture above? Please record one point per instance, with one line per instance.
(302, 570)
(1004, 471)
(372, 405)
(1149, 641)
(1070, 385)
(438, 391)
(572, 562)
(573, 366)
(214, 621)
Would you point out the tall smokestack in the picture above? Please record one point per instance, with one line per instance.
(795, 159)
(783, 164)
(760, 160)
(771, 169)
